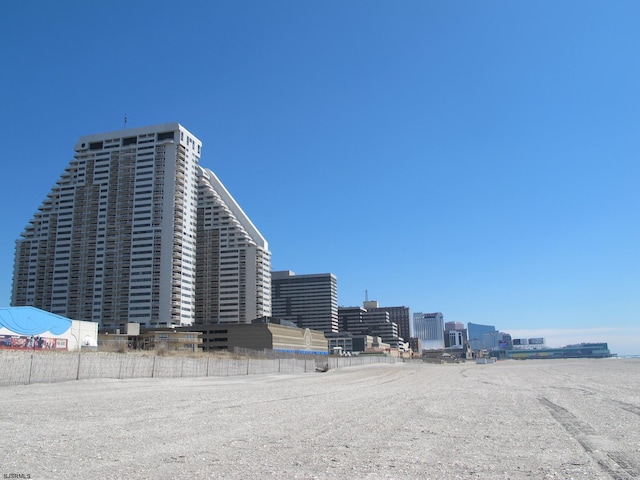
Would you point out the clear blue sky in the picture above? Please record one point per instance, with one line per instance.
(475, 158)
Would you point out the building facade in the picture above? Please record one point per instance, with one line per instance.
(454, 339)
(29, 328)
(233, 268)
(375, 323)
(263, 334)
(455, 335)
(351, 317)
(309, 301)
(429, 328)
(347, 343)
(582, 350)
(538, 343)
(401, 316)
(115, 241)
(482, 337)
(448, 326)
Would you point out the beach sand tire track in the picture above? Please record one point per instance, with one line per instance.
(619, 465)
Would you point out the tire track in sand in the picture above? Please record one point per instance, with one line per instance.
(619, 465)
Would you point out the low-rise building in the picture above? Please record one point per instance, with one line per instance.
(172, 339)
(582, 350)
(347, 342)
(262, 334)
(29, 328)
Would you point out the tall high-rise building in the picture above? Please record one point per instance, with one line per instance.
(429, 327)
(233, 268)
(310, 301)
(125, 235)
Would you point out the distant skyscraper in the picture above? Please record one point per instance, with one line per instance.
(429, 327)
(377, 323)
(482, 336)
(127, 235)
(401, 316)
(310, 301)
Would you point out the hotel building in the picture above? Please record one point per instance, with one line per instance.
(135, 230)
(429, 328)
(309, 301)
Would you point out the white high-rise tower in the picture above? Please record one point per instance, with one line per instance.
(115, 241)
(234, 262)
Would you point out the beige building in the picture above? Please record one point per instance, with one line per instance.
(262, 335)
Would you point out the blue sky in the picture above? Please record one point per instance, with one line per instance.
(474, 158)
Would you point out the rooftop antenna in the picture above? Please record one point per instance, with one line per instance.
(125, 121)
(366, 295)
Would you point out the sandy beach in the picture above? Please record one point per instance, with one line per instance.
(542, 419)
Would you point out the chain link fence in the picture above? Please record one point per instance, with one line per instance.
(25, 367)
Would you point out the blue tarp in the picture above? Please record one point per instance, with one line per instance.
(32, 321)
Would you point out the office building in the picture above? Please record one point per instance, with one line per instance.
(360, 321)
(429, 328)
(401, 316)
(128, 234)
(309, 301)
(454, 339)
(350, 316)
(482, 337)
(453, 326)
(455, 335)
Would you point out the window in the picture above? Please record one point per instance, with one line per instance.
(165, 136)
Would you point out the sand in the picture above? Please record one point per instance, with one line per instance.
(510, 420)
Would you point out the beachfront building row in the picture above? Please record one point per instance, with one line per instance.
(135, 230)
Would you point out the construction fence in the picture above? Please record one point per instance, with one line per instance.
(27, 367)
